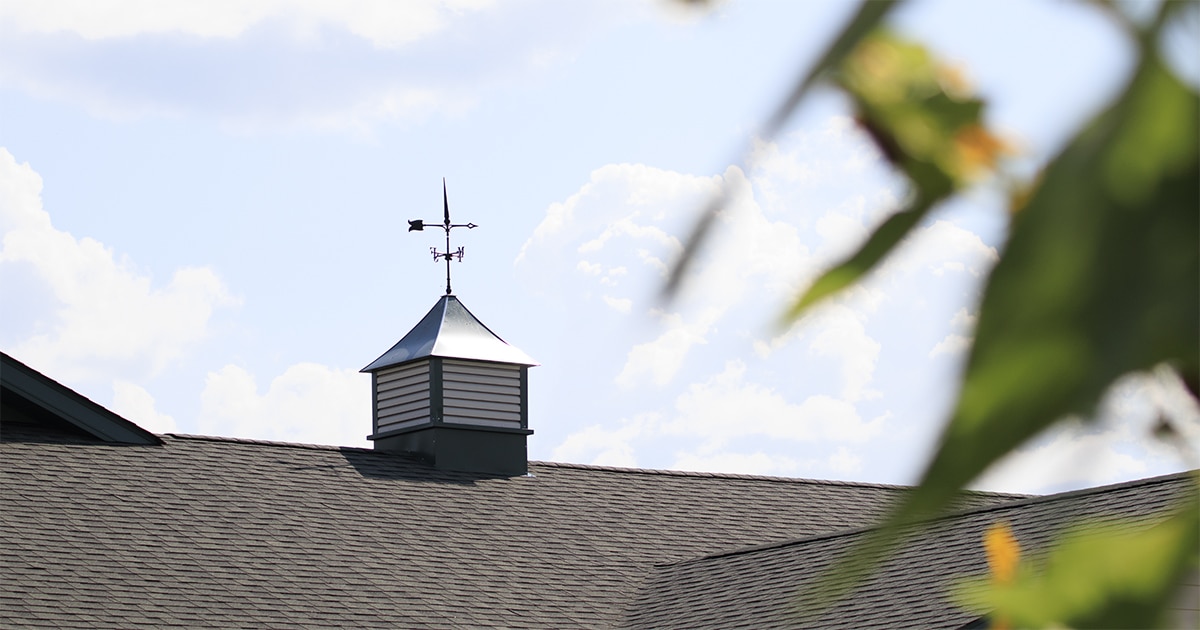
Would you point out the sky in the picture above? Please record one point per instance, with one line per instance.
(203, 210)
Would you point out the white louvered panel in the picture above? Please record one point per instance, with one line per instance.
(509, 396)
(461, 411)
(401, 424)
(403, 374)
(456, 384)
(403, 393)
(467, 414)
(393, 407)
(474, 373)
(476, 380)
(482, 369)
(402, 396)
(417, 411)
(403, 387)
(481, 394)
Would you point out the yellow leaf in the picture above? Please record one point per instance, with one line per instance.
(1003, 552)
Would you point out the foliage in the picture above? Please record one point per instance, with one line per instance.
(1102, 576)
(1100, 277)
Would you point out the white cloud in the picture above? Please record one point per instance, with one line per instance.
(953, 344)
(840, 462)
(658, 361)
(603, 446)
(620, 305)
(107, 317)
(758, 463)
(729, 406)
(384, 23)
(308, 403)
(1120, 444)
(838, 332)
(135, 404)
(349, 66)
(844, 461)
(958, 341)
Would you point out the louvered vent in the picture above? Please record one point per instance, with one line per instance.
(402, 396)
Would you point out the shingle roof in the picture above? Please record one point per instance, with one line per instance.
(196, 531)
(234, 533)
(758, 587)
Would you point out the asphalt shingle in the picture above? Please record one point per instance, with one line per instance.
(761, 587)
(235, 533)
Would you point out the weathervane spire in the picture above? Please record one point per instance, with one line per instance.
(419, 225)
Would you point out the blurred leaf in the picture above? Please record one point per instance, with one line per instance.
(918, 115)
(1097, 577)
(1100, 277)
(1003, 552)
(870, 13)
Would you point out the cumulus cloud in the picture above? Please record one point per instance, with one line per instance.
(757, 463)
(384, 23)
(604, 445)
(1119, 444)
(308, 403)
(102, 315)
(841, 462)
(256, 65)
(839, 333)
(135, 404)
(959, 340)
(728, 406)
(781, 224)
(657, 362)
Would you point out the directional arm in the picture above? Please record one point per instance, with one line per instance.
(419, 225)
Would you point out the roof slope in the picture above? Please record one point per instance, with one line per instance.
(209, 531)
(449, 330)
(758, 587)
(27, 393)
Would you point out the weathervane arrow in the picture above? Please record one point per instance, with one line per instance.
(419, 225)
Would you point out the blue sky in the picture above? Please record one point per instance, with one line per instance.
(204, 207)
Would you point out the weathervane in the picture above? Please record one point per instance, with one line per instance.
(418, 225)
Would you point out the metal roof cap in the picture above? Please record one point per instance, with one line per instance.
(449, 330)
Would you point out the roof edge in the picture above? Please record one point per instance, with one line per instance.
(69, 405)
(1017, 503)
(695, 473)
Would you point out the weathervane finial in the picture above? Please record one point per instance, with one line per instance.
(418, 225)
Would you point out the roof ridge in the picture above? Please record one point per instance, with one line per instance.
(695, 473)
(237, 440)
(1037, 499)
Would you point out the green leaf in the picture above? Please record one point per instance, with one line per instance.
(1100, 278)
(869, 15)
(849, 271)
(1101, 576)
(932, 134)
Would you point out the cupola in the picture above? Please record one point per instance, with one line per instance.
(451, 390)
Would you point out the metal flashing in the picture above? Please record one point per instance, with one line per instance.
(449, 330)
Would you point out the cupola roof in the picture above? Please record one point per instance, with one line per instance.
(450, 331)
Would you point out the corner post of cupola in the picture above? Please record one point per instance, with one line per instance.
(453, 393)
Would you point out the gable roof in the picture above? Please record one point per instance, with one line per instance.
(449, 330)
(26, 392)
(204, 530)
(758, 587)
(201, 531)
